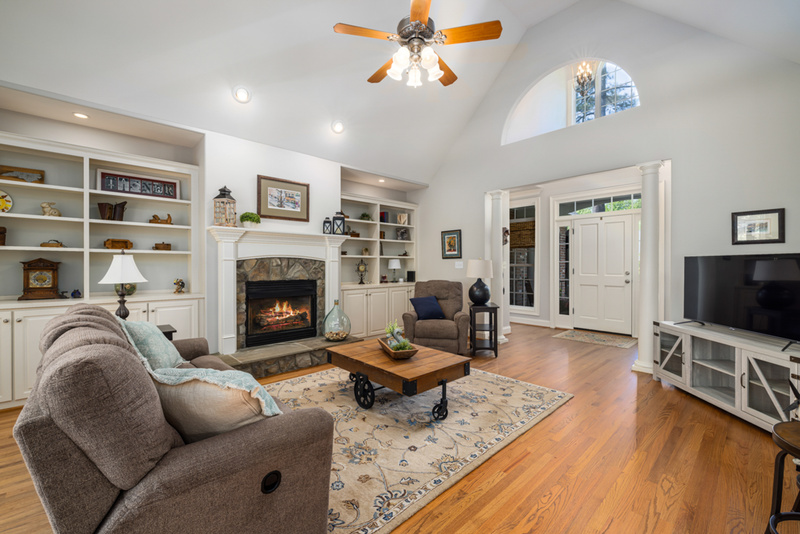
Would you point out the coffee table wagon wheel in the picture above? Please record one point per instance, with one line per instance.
(352, 377)
(439, 411)
(364, 392)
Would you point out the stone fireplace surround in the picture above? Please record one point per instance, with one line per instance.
(240, 244)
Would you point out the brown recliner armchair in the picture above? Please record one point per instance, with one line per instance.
(103, 457)
(450, 334)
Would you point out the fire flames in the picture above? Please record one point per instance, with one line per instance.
(281, 316)
(282, 310)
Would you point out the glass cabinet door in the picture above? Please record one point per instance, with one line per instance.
(669, 355)
(766, 386)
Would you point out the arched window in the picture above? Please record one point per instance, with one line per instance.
(555, 102)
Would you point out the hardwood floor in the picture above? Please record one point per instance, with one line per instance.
(626, 455)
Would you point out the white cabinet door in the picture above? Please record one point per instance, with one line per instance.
(181, 314)
(765, 381)
(398, 304)
(28, 327)
(409, 306)
(5, 356)
(354, 305)
(377, 311)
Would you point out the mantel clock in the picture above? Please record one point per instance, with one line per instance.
(40, 280)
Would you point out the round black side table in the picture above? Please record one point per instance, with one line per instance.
(786, 435)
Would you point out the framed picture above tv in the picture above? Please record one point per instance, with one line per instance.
(763, 226)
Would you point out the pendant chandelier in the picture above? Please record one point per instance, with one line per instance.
(584, 79)
(412, 58)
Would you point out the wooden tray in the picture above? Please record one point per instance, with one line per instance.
(397, 354)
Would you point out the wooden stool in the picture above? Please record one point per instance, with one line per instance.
(786, 436)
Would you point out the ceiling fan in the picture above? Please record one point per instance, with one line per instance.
(416, 34)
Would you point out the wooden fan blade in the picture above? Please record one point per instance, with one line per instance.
(474, 32)
(380, 74)
(363, 32)
(420, 10)
(449, 76)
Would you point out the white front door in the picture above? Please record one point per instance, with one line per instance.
(602, 276)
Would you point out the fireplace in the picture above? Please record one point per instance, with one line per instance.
(280, 310)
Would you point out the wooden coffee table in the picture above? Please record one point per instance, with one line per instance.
(425, 370)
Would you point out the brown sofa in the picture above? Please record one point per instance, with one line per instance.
(104, 459)
(450, 334)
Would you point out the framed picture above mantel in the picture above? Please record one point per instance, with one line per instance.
(282, 199)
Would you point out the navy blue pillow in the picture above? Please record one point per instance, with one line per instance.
(427, 308)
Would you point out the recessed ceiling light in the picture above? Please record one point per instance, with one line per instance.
(241, 94)
(81, 115)
(381, 180)
(337, 127)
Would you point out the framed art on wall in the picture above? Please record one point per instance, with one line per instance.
(763, 226)
(136, 184)
(451, 244)
(282, 199)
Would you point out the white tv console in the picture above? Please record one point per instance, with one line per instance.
(744, 373)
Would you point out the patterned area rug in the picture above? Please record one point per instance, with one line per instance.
(391, 460)
(623, 342)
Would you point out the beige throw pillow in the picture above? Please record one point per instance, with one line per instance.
(199, 410)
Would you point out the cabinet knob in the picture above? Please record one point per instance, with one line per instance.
(19, 320)
(5, 320)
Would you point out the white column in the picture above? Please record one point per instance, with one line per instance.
(496, 248)
(648, 290)
(227, 252)
(333, 271)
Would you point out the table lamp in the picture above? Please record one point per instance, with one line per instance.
(479, 292)
(394, 265)
(122, 271)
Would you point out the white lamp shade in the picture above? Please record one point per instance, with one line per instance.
(414, 77)
(123, 270)
(429, 58)
(479, 269)
(402, 57)
(395, 72)
(394, 264)
(435, 73)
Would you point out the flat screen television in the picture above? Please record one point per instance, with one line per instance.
(755, 292)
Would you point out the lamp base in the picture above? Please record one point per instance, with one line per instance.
(122, 312)
(479, 293)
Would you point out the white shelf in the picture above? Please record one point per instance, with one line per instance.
(137, 251)
(62, 188)
(396, 241)
(359, 239)
(41, 217)
(781, 387)
(47, 249)
(727, 367)
(362, 221)
(399, 257)
(356, 256)
(722, 394)
(397, 225)
(142, 224)
(130, 196)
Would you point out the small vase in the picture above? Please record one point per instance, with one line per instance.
(336, 326)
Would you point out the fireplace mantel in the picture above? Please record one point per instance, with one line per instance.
(235, 244)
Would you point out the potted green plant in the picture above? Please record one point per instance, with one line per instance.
(365, 216)
(250, 219)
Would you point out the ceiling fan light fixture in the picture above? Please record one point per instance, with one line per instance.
(401, 58)
(429, 58)
(414, 77)
(395, 72)
(435, 73)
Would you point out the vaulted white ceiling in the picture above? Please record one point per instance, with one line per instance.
(177, 61)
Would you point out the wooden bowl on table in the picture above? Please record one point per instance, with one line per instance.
(397, 354)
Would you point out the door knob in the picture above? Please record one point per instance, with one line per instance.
(5, 320)
(627, 273)
(627, 281)
(19, 320)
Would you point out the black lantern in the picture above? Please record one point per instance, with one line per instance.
(338, 223)
(327, 225)
(224, 208)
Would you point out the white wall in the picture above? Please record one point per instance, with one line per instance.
(543, 109)
(236, 163)
(720, 111)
